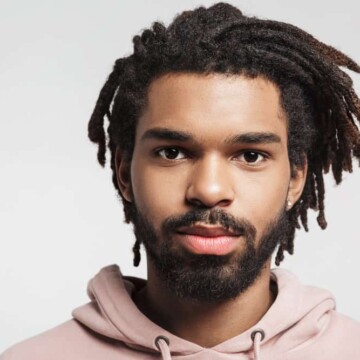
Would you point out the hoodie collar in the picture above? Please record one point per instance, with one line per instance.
(113, 313)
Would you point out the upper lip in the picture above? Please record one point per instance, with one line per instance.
(207, 231)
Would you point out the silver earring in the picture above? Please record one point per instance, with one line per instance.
(289, 205)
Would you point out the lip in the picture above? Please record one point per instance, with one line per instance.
(208, 240)
(207, 231)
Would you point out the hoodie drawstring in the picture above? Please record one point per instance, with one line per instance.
(257, 336)
(162, 343)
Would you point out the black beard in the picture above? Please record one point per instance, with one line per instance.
(208, 278)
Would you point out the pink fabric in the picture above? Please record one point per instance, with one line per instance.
(301, 324)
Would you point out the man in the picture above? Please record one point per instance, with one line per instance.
(220, 129)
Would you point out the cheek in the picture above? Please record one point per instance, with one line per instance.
(158, 192)
(262, 195)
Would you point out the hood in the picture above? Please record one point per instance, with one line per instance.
(298, 314)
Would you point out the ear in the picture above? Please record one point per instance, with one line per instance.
(297, 183)
(123, 175)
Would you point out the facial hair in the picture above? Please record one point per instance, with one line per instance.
(203, 277)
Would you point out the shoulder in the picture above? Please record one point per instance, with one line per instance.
(49, 341)
(61, 342)
(342, 326)
(339, 339)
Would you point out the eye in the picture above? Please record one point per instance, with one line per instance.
(252, 157)
(169, 153)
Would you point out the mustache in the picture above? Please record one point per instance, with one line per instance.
(215, 216)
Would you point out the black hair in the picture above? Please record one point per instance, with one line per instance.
(317, 96)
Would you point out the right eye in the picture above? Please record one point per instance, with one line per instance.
(169, 153)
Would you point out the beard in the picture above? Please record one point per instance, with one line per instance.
(202, 277)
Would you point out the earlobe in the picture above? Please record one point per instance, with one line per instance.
(123, 175)
(297, 184)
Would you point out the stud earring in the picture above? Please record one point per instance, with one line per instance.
(289, 205)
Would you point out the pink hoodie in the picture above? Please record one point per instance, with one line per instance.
(302, 324)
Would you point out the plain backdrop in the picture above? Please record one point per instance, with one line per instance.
(60, 218)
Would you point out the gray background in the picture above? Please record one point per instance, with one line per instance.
(60, 218)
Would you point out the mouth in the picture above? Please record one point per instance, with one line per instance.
(209, 240)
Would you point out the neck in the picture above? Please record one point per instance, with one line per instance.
(194, 321)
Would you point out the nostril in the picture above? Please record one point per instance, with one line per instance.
(207, 204)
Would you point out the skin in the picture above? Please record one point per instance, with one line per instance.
(208, 172)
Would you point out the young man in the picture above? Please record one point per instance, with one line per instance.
(221, 127)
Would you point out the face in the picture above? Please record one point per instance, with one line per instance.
(209, 180)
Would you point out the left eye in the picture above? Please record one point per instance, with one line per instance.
(168, 153)
(252, 157)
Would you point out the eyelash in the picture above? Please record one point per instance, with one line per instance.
(265, 156)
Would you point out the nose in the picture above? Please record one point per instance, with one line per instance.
(210, 184)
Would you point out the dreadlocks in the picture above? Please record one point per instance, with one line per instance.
(317, 96)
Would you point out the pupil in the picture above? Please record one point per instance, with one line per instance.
(250, 156)
(171, 153)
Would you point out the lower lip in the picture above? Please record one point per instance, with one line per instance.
(218, 245)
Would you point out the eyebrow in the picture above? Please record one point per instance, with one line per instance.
(183, 136)
(253, 138)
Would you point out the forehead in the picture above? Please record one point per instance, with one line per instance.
(214, 106)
